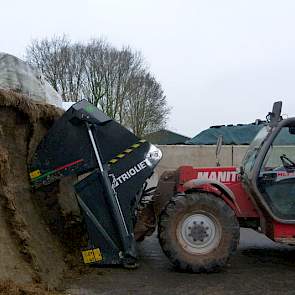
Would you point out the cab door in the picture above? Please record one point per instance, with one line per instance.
(276, 176)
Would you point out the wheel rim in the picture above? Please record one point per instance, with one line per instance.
(199, 233)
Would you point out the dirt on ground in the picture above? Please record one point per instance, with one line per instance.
(9, 287)
(260, 267)
(40, 232)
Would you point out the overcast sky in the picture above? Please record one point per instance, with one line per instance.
(219, 62)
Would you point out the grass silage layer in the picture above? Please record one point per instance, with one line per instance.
(40, 231)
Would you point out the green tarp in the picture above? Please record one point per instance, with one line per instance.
(285, 138)
(232, 134)
(238, 135)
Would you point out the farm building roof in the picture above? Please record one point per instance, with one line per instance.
(164, 136)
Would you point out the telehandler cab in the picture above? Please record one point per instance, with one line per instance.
(198, 211)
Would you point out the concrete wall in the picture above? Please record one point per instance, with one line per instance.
(197, 156)
(200, 155)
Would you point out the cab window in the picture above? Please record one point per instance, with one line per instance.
(276, 180)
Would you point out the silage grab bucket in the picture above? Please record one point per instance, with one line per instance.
(113, 164)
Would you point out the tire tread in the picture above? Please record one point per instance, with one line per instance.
(183, 202)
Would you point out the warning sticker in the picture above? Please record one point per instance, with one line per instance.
(35, 174)
(92, 255)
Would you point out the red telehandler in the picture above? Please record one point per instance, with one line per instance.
(201, 210)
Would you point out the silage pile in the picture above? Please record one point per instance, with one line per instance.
(40, 232)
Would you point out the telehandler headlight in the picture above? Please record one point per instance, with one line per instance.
(154, 155)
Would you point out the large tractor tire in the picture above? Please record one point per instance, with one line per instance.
(198, 232)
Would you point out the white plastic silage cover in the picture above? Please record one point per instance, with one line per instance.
(19, 76)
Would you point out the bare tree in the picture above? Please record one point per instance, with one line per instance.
(117, 81)
(62, 64)
(108, 72)
(74, 73)
(95, 55)
(147, 105)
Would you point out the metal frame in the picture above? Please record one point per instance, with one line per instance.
(126, 238)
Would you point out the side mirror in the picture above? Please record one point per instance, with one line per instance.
(275, 116)
(218, 149)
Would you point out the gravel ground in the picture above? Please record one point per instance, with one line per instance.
(259, 267)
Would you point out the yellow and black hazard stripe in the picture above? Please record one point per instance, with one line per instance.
(127, 151)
